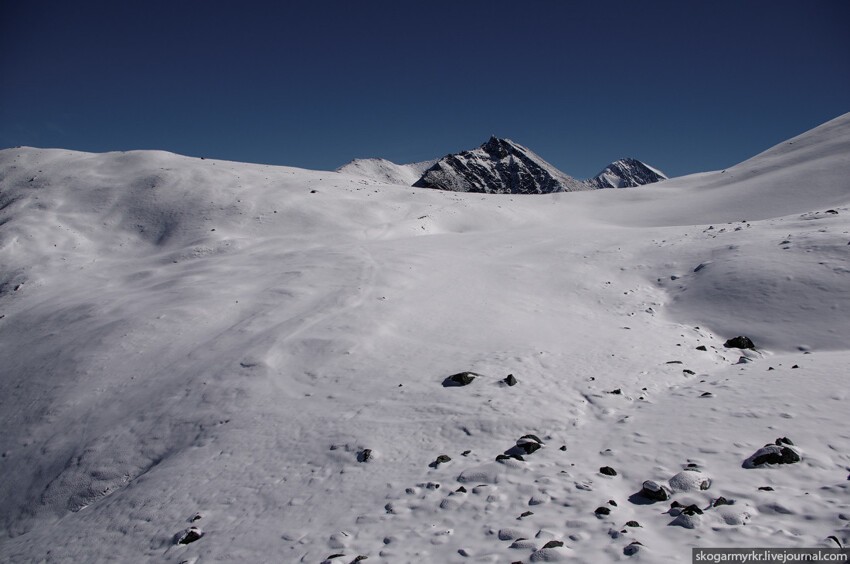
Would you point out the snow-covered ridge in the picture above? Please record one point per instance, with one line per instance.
(384, 171)
(499, 166)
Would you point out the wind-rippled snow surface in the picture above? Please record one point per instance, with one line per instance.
(260, 352)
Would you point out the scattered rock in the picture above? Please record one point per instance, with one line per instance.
(616, 392)
(692, 510)
(653, 491)
(528, 444)
(553, 544)
(365, 455)
(779, 453)
(526, 514)
(688, 372)
(702, 348)
(465, 453)
(195, 517)
(608, 471)
(633, 548)
(783, 441)
(442, 459)
(563, 447)
(765, 489)
(796, 366)
(189, 535)
(602, 510)
(739, 342)
(632, 524)
(721, 501)
(460, 379)
(706, 395)
(510, 380)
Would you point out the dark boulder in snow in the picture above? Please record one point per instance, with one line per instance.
(779, 453)
(365, 455)
(653, 491)
(608, 471)
(692, 510)
(510, 380)
(442, 459)
(460, 379)
(633, 548)
(190, 535)
(602, 511)
(526, 444)
(739, 342)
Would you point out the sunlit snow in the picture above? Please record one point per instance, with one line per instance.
(200, 343)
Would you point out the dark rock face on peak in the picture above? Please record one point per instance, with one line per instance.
(499, 166)
(626, 173)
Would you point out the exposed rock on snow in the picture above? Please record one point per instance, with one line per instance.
(460, 379)
(654, 491)
(190, 535)
(779, 453)
(633, 548)
(739, 342)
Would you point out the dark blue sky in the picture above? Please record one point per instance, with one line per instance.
(686, 86)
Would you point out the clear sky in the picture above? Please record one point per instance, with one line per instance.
(686, 86)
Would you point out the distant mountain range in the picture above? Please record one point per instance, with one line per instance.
(500, 166)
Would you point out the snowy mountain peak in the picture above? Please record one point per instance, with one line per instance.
(501, 148)
(626, 173)
(499, 166)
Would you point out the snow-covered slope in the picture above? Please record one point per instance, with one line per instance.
(499, 166)
(386, 172)
(260, 352)
(626, 173)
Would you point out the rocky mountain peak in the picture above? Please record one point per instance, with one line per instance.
(626, 173)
